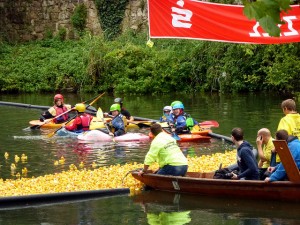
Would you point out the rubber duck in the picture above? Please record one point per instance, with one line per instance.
(81, 164)
(18, 175)
(13, 167)
(62, 160)
(6, 155)
(17, 158)
(94, 165)
(23, 157)
(56, 162)
(24, 171)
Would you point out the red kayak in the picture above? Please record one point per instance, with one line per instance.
(200, 136)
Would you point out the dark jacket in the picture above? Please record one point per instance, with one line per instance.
(247, 163)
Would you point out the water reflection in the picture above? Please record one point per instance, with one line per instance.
(204, 209)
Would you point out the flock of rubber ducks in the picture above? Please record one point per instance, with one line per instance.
(98, 178)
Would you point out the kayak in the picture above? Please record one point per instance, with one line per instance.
(66, 133)
(95, 124)
(200, 136)
(97, 135)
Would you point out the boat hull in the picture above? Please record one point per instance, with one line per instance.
(203, 184)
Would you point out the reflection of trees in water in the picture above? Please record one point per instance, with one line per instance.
(164, 218)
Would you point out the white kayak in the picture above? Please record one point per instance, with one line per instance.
(97, 135)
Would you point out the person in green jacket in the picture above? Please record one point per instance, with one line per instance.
(165, 151)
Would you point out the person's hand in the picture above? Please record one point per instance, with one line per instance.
(105, 114)
(141, 172)
(271, 169)
(42, 119)
(111, 134)
(259, 140)
(234, 176)
(267, 180)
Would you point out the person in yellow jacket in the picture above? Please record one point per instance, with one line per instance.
(165, 151)
(291, 121)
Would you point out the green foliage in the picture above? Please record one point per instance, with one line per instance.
(127, 65)
(111, 16)
(78, 18)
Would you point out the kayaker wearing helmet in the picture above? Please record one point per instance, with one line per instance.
(81, 122)
(58, 108)
(167, 114)
(124, 111)
(182, 121)
(117, 124)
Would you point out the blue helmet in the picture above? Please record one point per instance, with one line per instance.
(178, 106)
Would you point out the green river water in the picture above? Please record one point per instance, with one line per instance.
(249, 111)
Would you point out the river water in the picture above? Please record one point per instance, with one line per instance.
(249, 111)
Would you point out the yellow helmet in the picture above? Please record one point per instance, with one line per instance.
(80, 107)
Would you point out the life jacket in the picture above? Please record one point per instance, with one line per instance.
(123, 118)
(60, 110)
(188, 120)
(85, 122)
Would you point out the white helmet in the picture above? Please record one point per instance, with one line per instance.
(167, 108)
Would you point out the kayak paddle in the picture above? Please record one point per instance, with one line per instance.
(211, 123)
(50, 135)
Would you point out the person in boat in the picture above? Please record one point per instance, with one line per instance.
(165, 151)
(118, 122)
(291, 121)
(248, 168)
(278, 172)
(266, 152)
(124, 111)
(167, 114)
(57, 109)
(82, 121)
(182, 122)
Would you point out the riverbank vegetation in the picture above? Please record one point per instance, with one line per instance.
(127, 65)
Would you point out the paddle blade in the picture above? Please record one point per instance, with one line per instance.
(176, 137)
(50, 135)
(211, 123)
(100, 114)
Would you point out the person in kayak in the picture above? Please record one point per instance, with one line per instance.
(167, 114)
(291, 121)
(165, 151)
(248, 169)
(278, 172)
(82, 121)
(182, 123)
(57, 109)
(123, 111)
(118, 122)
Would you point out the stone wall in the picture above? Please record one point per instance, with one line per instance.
(24, 20)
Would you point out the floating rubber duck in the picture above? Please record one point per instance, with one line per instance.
(81, 165)
(13, 167)
(24, 171)
(94, 165)
(17, 158)
(62, 160)
(6, 155)
(72, 167)
(24, 157)
(56, 163)
(18, 175)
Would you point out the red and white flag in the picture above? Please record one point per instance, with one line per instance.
(192, 19)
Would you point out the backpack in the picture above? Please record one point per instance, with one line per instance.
(223, 173)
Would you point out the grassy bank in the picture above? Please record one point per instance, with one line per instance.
(127, 65)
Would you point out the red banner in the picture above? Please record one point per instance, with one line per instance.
(191, 19)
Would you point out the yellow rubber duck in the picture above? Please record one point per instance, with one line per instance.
(24, 171)
(24, 157)
(81, 165)
(17, 158)
(94, 165)
(18, 175)
(72, 167)
(62, 160)
(13, 167)
(56, 163)
(6, 155)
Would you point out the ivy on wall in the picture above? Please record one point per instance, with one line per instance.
(111, 16)
(78, 18)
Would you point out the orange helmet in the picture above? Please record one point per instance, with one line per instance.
(58, 96)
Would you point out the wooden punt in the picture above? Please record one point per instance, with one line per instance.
(204, 184)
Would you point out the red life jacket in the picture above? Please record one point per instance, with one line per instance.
(60, 110)
(85, 122)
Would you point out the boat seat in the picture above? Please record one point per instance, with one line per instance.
(287, 160)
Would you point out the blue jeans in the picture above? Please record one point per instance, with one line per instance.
(173, 170)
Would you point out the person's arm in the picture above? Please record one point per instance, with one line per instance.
(260, 149)
(250, 163)
(73, 126)
(279, 173)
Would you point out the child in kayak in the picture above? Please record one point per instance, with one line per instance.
(57, 109)
(117, 124)
(181, 121)
(81, 122)
(167, 116)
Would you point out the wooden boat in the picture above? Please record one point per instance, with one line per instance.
(204, 184)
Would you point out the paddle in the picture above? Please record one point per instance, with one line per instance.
(50, 135)
(173, 134)
(101, 117)
(48, 121)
